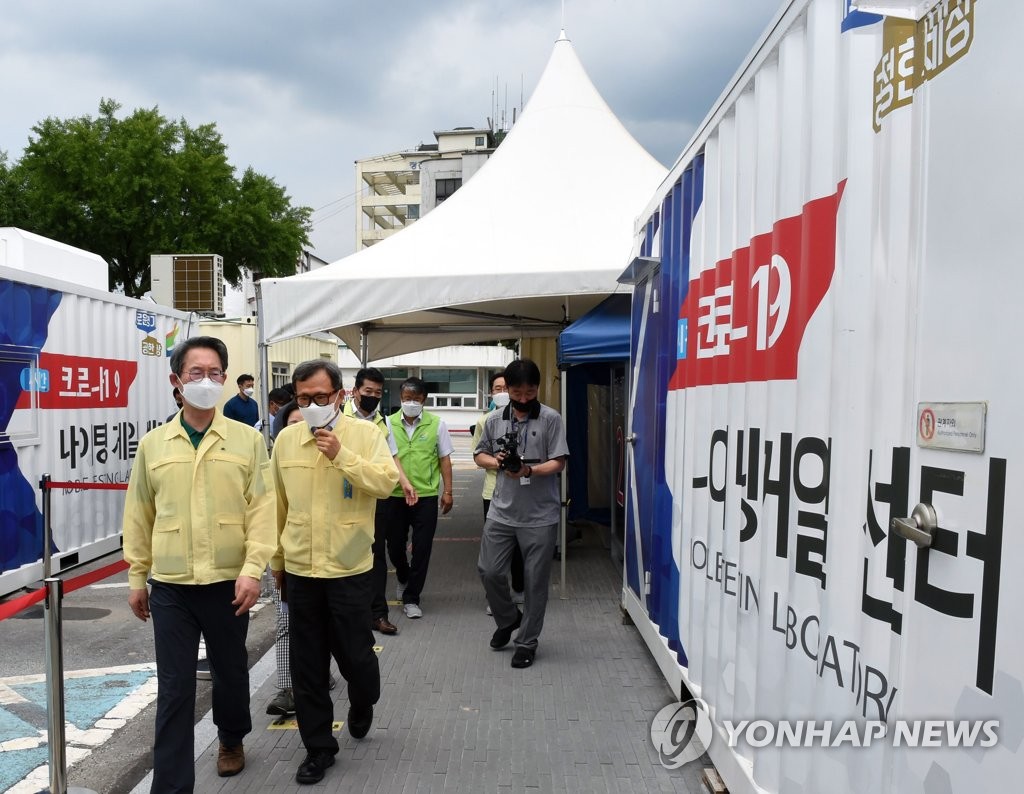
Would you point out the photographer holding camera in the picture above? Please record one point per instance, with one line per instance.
(525, 443)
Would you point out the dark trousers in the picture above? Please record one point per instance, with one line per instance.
(180, 614)
(379, 604)
(330, 617)
(496, 545)
(422, 517)
(516, 568)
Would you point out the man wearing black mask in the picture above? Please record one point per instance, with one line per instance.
(525, 442)
(365, 401)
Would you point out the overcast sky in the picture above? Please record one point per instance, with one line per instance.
(300, 89)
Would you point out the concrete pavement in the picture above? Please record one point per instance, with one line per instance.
(453, 715)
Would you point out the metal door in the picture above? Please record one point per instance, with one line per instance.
(962, 655)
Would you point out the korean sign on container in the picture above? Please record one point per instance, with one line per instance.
(829, 349)
(83, 376)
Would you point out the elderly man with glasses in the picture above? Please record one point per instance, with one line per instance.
(329, 470)
(199, 527)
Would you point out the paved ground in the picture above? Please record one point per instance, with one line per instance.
(98, 702)
(108, 710)
(454, 716)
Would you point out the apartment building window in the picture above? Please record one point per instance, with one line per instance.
(443, 188)
(480, 140)
(451, 387)
(280, 374)
(412, 211)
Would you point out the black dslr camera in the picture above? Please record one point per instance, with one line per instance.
(509, 444)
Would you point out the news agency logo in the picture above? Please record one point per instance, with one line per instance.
(854, 733)
(681, 732)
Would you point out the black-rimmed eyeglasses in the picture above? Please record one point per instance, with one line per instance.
(320, 399)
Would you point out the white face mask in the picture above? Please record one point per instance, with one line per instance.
(500, 399)
(248, 392)
(317, 416)
(412, 409)
(203, 394)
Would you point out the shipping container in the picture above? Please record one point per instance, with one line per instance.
(84, 374)
(824, 405)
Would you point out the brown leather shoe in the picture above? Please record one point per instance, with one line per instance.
(230, 760)
(384, 626)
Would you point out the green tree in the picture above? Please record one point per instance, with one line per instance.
(10, 192)
(264, 226)
(125, 188)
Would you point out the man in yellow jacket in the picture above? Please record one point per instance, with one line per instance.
(329, 472)
(199, 526)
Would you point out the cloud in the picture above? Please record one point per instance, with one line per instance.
(300, 90)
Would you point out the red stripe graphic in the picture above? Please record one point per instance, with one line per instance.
(744, 319)
(82, 382)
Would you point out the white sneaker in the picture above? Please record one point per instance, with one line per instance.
(399, 591)
(412, 611)
(517, 597)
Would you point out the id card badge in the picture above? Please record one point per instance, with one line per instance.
(524, 480)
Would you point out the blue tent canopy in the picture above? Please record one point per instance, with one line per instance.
(600, 335)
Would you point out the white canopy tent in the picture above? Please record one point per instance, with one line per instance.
(537, 237)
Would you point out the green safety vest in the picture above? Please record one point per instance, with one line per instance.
(418, 454)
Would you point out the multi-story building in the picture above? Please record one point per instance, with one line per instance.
(394, 190)
(458, 378)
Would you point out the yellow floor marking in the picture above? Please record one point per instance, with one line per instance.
(291, 724)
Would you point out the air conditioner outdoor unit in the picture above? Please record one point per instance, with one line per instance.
(189, 282)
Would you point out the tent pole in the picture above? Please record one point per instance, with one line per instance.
(261, 339)
(364, 344)
(564, 481)
(612, 501)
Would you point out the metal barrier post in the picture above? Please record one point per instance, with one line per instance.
(55, 689)
(563, 479)
(44, 485)
(55, 684)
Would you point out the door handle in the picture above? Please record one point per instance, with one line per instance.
(920, 527)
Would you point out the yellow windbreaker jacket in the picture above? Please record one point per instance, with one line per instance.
(325, 508)
(197, 516)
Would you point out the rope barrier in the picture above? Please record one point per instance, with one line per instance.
(21, 603)
(86, 579)
(85, 486)
(13, 607)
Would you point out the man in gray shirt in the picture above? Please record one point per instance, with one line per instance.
(525, 442)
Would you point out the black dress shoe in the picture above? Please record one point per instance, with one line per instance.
(501, 637)
(311, 770)
(523, 657)
(359, 721)
(384, 626)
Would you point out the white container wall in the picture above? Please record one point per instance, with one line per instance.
(829, 340)
(83, 376)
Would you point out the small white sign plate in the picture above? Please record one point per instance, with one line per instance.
(955, 426)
